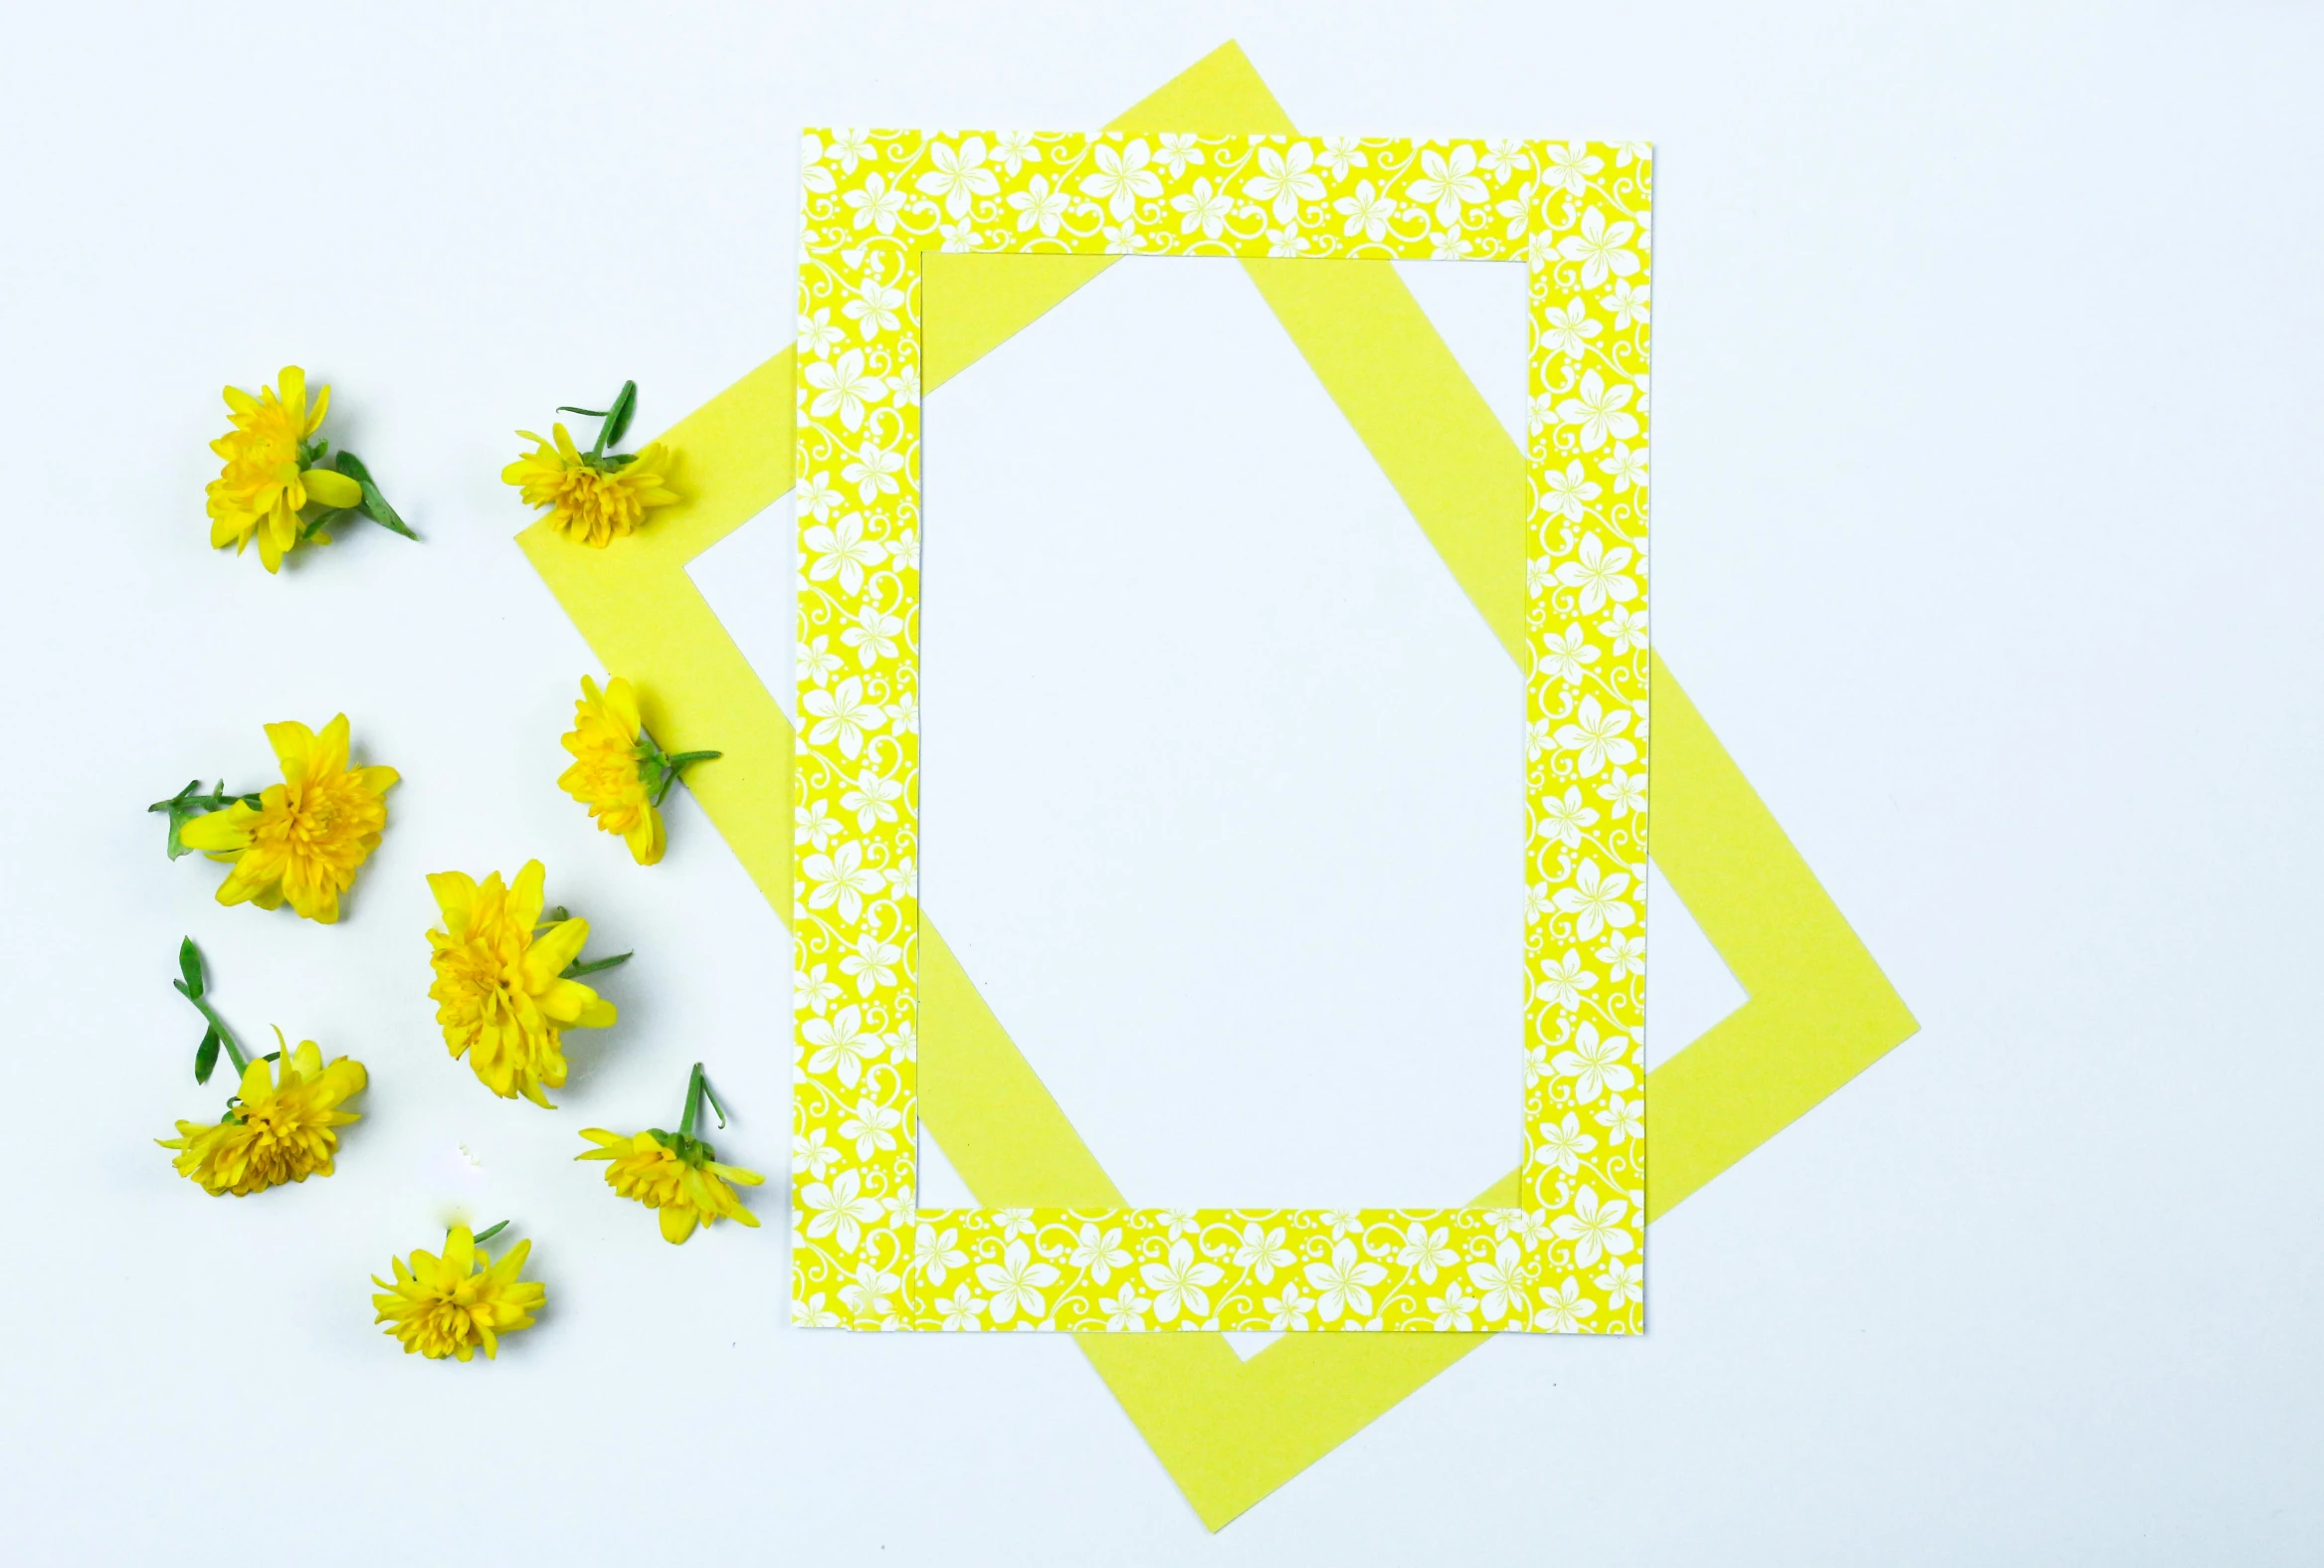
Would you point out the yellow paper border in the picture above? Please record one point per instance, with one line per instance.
(876, 205)
(1229, 1432)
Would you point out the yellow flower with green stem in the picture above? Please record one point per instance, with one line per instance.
(596, 496)
(299, 841)
(282, 1123)
(460, 1302)
(507, 980)
(618, 770)
(675, 1172)
(275, 473)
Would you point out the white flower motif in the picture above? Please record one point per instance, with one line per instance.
(1425, 1251)
(812, 823)
(963, 1311)
(1565, 818)
(1596, 735)
(878, 204)
(1598, 411)
(1286, 179)
(813, 990)
(874, 635)
(1567, 329)
(1126, 1311)
(1124, 239)
(841, 716)
(959, 237)
(1563, 1145)
(871, 1125)
(1285, 242)
(812, 1156)
(936, 1252)
(1595, 1065)
(1562, 982)
(1262, 1253)
(1595, 901)
(1593, 1228)
(811, 1313)
(1537, 902)
(1625, 955)
(1448, 180)
(843, 550)
(1179, 149)
(816, 334)
(1568, 168)
(1625, 791)
(1344, 1284)
(1622, 1119)
(1453, 1312)
(818, 664)
(1502, 1280)
(1288, 1310)
(1625, 629)
(872, 798)
(1629, 304)
(1013, 150)
(1450, 245)
(1343, 1222)
(960, 175)
(1624, 467)
(841, 1209)
(1181, 1284)
(1368, 213)
(1017, 1281)
(1340, 154)
(901, 1044)
(1563, 1310)
(1622, 1281)
(867, 1295)
(1504, 158)
(873, 964)
(1568, 494)
(873, 471)
(840, 1043)
(1204, 209)
(1599, 248)
(849, 148)
(1566, 654)
(841, 879)
(1100, 1253)
(1625, 151)
(811, 174)
(1597, 572)
(1014, 1223)
(842, 387)
(1122, 177)
(1039, 206)
(816, 497)
(1180, 1221)
(873, 310)
(1525, 1226)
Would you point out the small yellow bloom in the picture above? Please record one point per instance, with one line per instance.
(280, 1128)
(591, 499)
(308, 835)
(449, 1305)
(498, 988)
(268, 477)
(675, 1174)
(607, 776)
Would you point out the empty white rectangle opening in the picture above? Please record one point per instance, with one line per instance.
(1222, 774)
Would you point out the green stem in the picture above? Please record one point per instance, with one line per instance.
(224, 1035)
(697, 1089)
(576, 969)
(488, 1231)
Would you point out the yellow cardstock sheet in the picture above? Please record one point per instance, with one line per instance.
(1566, 1257)
(1231, 1431)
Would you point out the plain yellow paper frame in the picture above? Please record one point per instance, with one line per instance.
(1228, 1430)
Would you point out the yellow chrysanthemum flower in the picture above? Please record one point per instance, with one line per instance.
(280, 1128)
(308, 835)
(617, 771)
(499, 989)
(589, 498)
(676, 1173)
(269, 474)
(453, 1305)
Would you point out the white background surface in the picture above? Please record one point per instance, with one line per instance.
(1986, 519)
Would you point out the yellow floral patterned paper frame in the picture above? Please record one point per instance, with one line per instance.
(1567, 1257)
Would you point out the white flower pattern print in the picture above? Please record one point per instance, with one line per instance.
(1565, 1257)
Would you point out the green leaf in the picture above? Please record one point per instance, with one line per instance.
(206, 1056)
(490, 1230)
(617, 422)
(375, 506)
(576, 969)
(189, 964)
